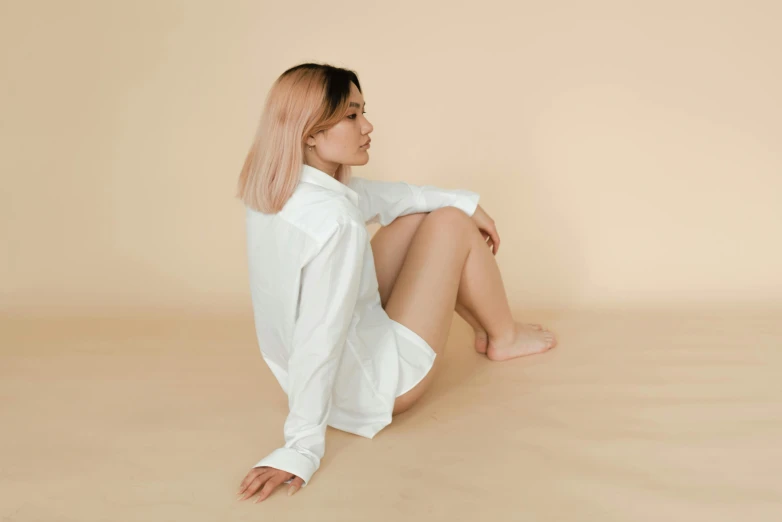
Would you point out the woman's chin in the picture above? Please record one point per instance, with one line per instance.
(360, 159)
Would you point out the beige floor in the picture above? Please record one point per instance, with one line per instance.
(635, 416)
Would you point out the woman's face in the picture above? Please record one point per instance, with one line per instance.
(346, 143)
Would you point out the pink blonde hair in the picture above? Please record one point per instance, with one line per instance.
(304, 100)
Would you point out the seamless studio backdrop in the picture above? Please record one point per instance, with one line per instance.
(628, 152)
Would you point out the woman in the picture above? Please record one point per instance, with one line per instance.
(352, 329)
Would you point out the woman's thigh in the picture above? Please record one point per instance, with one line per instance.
(389, 249)
(424, 294)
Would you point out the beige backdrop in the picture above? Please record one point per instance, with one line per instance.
(629, 153)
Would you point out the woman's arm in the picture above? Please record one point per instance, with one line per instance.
(329, 290)
(384, 201)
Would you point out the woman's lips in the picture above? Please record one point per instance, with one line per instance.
(366, 146)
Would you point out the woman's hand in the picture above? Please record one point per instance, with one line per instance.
(271, 477)
(487, 228)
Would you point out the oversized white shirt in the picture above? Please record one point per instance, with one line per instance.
(320, 326)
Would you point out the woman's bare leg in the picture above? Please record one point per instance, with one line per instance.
(389, 247)
(447, 257)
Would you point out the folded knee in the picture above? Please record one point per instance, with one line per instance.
(449, 216)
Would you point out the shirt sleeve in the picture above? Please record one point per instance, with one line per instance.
(328, 294)
(384, 201)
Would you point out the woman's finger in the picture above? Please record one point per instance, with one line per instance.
(491, 238)
(296, 485)
(275, 480)
(253, 486)
(488, 239)
(495, 237)
(256, 484)
(248, 478)
(252, 475)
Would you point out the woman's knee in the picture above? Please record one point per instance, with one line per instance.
(451, 218)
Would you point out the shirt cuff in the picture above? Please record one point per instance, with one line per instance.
(292, 461)
(468, 203)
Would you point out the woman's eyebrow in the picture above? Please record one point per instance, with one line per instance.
(354, 104)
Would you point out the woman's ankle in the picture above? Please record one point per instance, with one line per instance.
(504, 337)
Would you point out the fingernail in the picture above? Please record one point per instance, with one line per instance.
(290, 491)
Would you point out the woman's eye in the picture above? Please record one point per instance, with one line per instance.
(353, 116)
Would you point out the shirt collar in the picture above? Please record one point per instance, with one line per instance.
(310, 174)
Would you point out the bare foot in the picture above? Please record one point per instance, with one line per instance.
(528, 341)
(482, 338)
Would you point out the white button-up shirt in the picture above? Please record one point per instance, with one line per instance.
(318, 318)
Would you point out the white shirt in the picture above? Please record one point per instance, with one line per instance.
(318, 318)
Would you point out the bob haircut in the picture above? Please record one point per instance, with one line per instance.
(304, 100)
